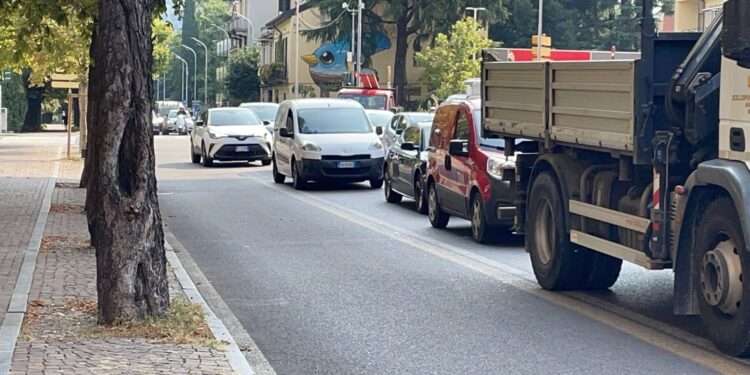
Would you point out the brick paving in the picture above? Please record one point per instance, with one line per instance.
(26, 164)
(52, 340)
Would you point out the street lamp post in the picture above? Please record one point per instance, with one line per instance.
(205, 72)
(195, 70)
(353, 12)
(539, 30)
(360, 7)
(226, 53)
(186, 74)
(476, 11)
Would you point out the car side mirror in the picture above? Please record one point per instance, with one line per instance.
(399, 131)
(459, 147)
(266, 122)
(199, 123)
(408, 146)
(284, 132)
(379, 130)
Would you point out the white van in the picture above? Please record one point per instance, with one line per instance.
(326, 139)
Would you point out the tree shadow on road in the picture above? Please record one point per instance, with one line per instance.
(217, 165)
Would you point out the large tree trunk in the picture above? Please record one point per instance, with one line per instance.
(121, 203)
(399, 68)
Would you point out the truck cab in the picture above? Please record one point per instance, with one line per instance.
(464, 173)
(370, 98)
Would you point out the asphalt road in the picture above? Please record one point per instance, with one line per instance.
(337, 281)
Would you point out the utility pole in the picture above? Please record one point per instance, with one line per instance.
(296, 56)
(539, 30)
(205, 72)
(360, 7)
(353, 12)
(195, 70)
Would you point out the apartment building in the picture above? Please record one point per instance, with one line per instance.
(322, 66)
(695, 15)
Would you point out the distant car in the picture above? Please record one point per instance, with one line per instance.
(176, 122)
(465, 173)
(401, 121)
(229, 134)
(406, 165)
(379, 117)
(265, 111)
(326, 139)
(156, 122)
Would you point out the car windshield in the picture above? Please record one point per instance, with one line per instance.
(380, 118)
(367, 101)
(421, 117)
(333, 121)
(228, 117)
(265, 112)
(172, 113)
(488, 142)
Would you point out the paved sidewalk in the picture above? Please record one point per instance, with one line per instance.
(59, 333)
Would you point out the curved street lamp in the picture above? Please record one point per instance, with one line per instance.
(185, 83)
(195, 69)
(205, 71)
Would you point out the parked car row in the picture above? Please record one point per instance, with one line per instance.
(438, 159)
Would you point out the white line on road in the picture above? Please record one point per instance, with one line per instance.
(685, 345)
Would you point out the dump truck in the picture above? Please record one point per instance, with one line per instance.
(645, 161)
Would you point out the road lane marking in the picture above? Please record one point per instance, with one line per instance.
(661, 335)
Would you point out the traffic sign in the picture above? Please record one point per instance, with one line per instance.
(6, 75)
(65, 85)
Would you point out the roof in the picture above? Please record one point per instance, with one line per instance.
(258, 104)
(287, 14)
(222, 109)
(361, 90)
(322, 103)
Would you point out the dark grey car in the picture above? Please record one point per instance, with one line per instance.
(406, 164)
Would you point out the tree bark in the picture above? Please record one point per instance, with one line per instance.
(121, 202)
(399, 68)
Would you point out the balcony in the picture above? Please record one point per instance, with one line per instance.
(239, 27)
(223, 47)
(273, 74)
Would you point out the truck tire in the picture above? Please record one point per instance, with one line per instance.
(603, 271)
(720, 257)
(557, 263)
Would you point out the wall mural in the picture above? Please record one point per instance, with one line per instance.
(328, 63)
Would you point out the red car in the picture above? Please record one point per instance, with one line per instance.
(464, 173)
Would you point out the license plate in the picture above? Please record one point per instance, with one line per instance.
(346, 164)
(242, 149)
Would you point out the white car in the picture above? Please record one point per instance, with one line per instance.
(229, 134)
(326, 139)
(265, 111)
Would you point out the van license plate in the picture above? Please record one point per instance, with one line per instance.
(346, 164)
(242, 149)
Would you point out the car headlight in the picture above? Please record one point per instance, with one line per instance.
(376, 145)
(215, 135)
(307, 146)
(496, 165)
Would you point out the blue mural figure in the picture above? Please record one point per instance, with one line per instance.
(328, 62)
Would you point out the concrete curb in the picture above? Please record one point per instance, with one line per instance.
(235, 357)
(11, 326)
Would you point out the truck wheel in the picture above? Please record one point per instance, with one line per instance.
(603, 271)
(557, 263)
(720, 257)
(480, 231)
(438, 217)
(390, 195)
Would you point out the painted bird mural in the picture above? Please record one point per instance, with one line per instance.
(328, 62)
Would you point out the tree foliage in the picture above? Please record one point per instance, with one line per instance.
(575, 24)
(162, 33)
(410, 22)
(450, 61)
(242, 81)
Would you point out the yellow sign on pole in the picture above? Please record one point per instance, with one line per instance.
(64, 77)
(64, 85)
(546, 40)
